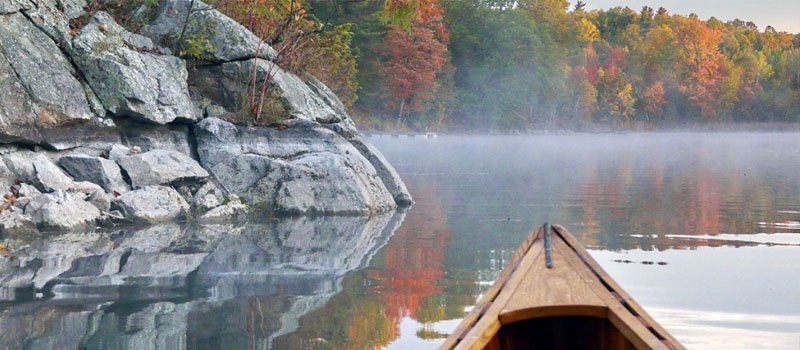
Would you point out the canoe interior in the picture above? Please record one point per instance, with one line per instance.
(557, 333)
(573, 305)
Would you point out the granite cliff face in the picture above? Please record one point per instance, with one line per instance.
(100, 124)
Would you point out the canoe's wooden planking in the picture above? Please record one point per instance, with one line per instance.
(527, 292)
(622, 297)
(553, 292)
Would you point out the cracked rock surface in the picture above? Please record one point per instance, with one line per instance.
(303, 169)
(131, 83)
(101, 123)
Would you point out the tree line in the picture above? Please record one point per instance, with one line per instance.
(526, 64)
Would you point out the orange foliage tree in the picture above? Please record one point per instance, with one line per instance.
(704, 64)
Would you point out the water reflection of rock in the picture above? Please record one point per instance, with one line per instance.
(173, 287)
(407, 281)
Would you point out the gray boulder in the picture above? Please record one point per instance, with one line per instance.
(53, 18)
(152, 204)
(229, 84)
(7, 178)
(46, 175)
(117, 151)
(129, 81)
(43, 102)
(208, 196)
(303, 169)
(151, 137)
(12, 6)
(386, 172)
(62, 211)
(233, 211)
(216, 37)
(20, 164)
(26, 190)
(329, 97)
(101, 200)
(49, 175)
(160, 167)
(36, 168)
(103, 172)
(16, 225)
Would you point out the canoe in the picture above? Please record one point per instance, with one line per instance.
(553, 295)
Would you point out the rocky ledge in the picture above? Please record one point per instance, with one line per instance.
(100, 124)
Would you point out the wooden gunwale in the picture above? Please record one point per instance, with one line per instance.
(489, 297)
(590, 292)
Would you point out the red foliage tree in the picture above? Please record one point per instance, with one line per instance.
(416, 55)
(654, 98)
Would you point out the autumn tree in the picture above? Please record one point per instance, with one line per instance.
(653, 99)
(305, 43)
(703, 64)
(615, 92)
(585, 96)
(416, 53)
(546, 10)
(509, 64)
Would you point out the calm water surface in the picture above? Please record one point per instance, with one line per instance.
(702, 229)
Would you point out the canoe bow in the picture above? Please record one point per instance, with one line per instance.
(575, 295)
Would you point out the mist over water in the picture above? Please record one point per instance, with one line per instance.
(703, 229)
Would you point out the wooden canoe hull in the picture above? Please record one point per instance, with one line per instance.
(573, 305)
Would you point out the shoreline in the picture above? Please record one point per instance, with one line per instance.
(709, 128)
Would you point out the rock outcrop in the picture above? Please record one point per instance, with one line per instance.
(102, 123)
(273, 169)
(62, 211)
(225, 82)
(130, 80)
(160, 167)
(43, 100)
(152, 204)
(101, 171)
(224, 40)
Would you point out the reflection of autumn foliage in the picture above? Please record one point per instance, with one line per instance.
(368, 315)
(701, 207)
(371, 328)
(656, 199)
(353, 319)
(414, 261)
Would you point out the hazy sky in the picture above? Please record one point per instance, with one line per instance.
(784, 15)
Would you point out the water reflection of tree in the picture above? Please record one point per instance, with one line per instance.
(658, 196)
(410, 282)
(352, 319)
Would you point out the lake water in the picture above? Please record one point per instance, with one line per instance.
(702, 229)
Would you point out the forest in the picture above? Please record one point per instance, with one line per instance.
(497, 65)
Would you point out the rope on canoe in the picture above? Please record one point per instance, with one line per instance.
(548, 246)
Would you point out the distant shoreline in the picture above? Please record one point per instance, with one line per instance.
(600, 129)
